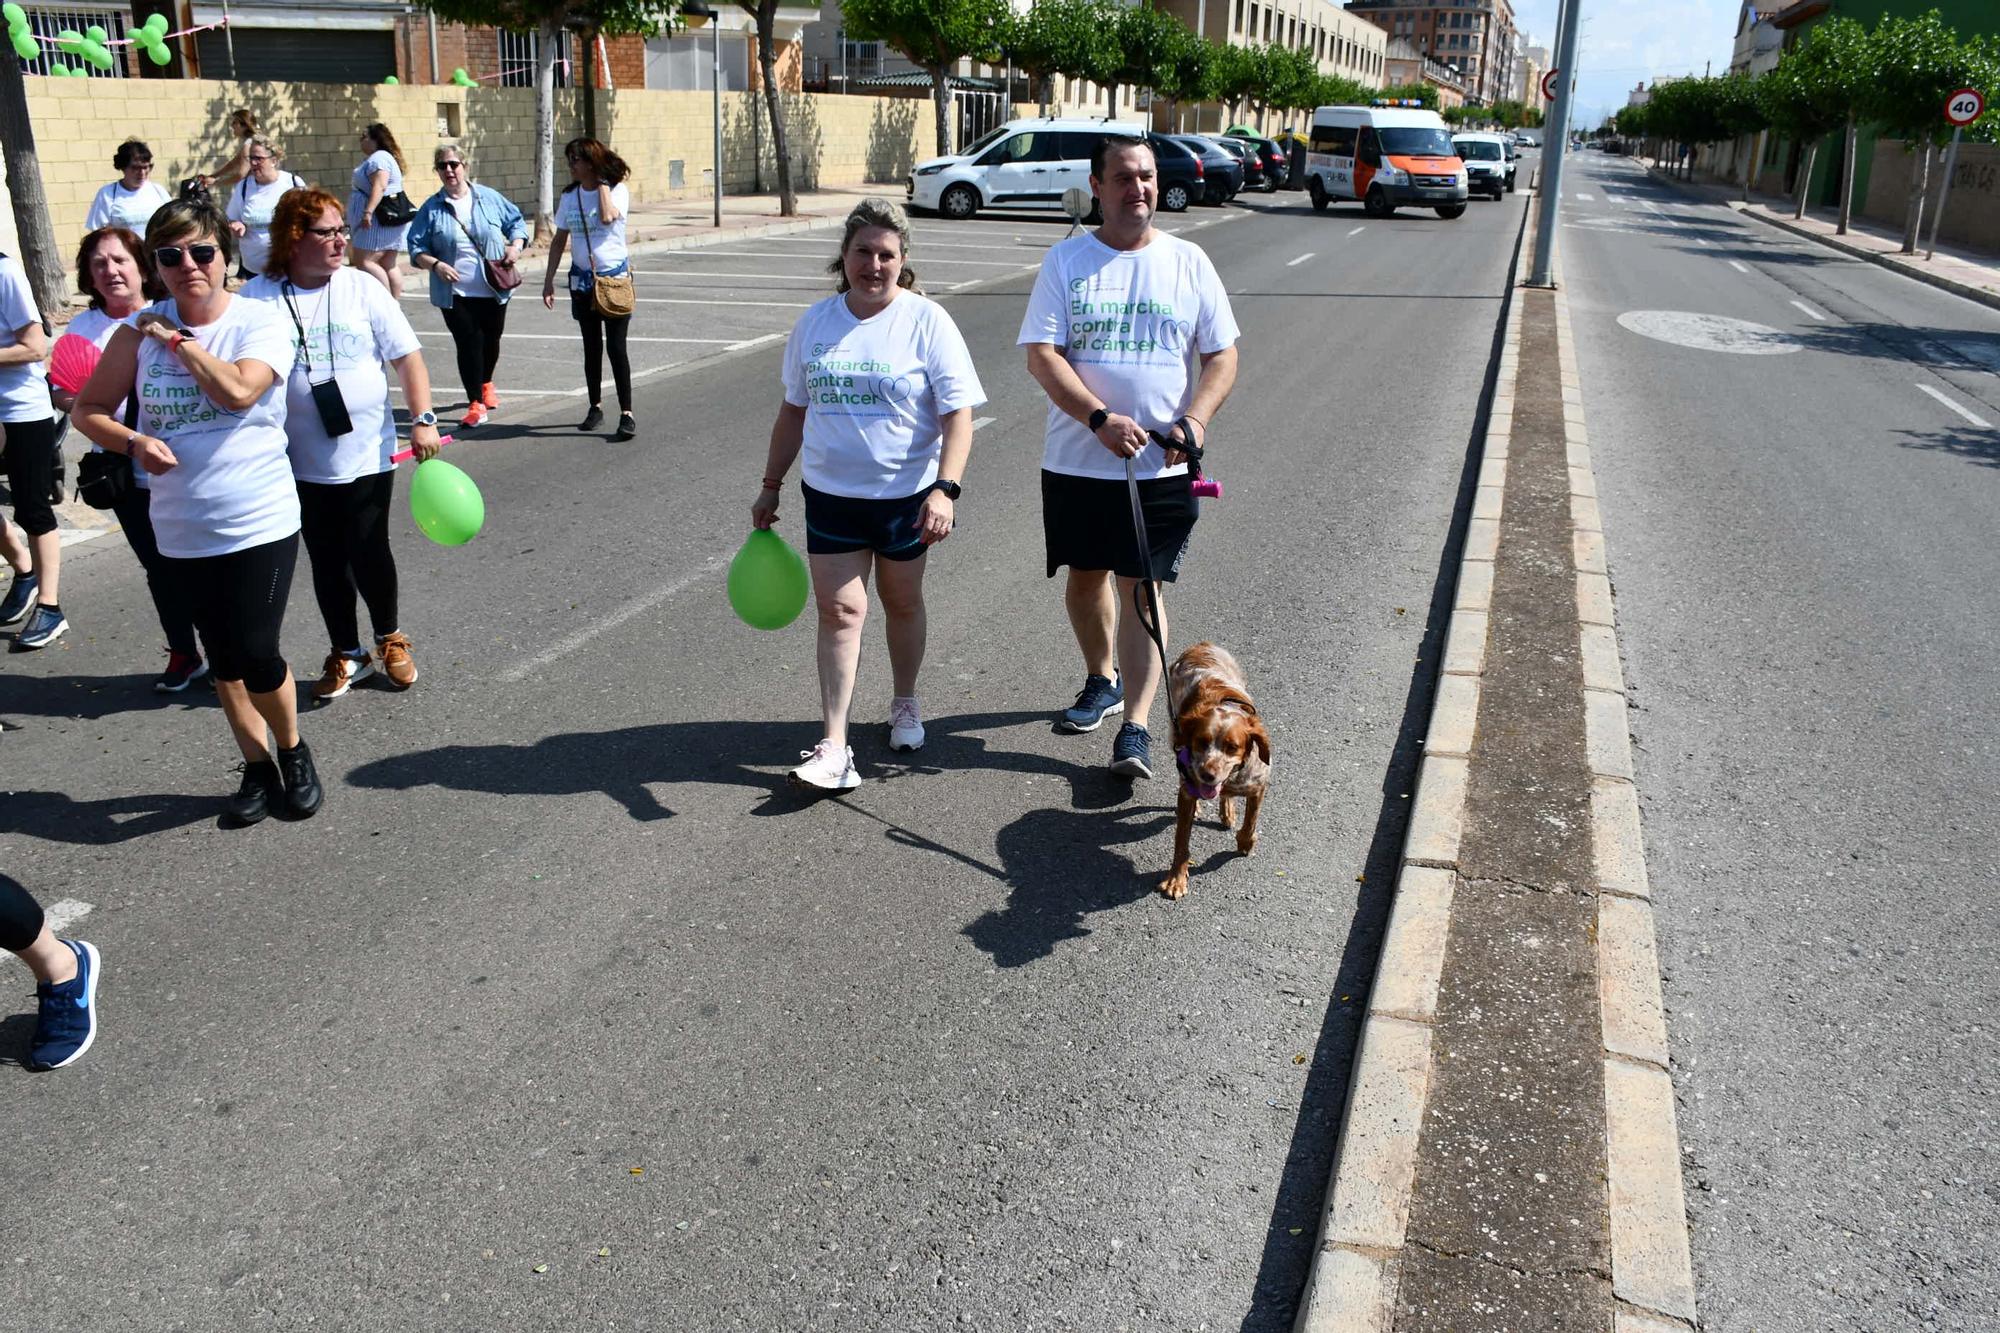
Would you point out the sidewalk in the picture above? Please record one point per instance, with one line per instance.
(1968, 273)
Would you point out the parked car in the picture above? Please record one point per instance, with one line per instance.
(1252, 164)
(1182, 177)
(1277, 166)
(1222, 169)
(1023, 164)
(1488, 167)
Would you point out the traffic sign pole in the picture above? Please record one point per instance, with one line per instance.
(1944, 190)
(1555, 148)
(1960, 109)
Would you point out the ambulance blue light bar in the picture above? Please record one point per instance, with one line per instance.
(1398, 101)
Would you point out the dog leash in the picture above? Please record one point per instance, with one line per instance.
(1185, 443)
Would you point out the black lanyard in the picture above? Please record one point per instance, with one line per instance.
(305, 347)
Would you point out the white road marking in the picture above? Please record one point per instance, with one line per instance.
(758, 341)
(1708, 333)
(1978, 421)
(1810, 311)
(571, 337)
(669, 300)
(1294, 263)
(1701, 240)
(1583, 198)
(977, 422)
(780, 254)
(711, 273)
(78, 536)
(1740, 268)
(569, 643)
(1358, 230)
(61, 915)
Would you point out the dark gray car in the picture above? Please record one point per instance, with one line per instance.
(1221, 171)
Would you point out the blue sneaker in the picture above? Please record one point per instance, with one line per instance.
(68, 1021)
(1132, 752)
(45, 625)
(1097, 697)
(19, 596)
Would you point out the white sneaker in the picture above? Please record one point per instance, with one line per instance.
(828, 767)
(906, 724)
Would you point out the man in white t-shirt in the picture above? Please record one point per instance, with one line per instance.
(1128, 331)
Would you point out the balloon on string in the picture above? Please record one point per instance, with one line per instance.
(159, 54)
(767, 582)
(155, 24)
(72, 360)
(97, 55)
(445, 503)
(14, 14)
(96, 34)
(391, 79)
(25, 46)
(462, 79)
(69, 41)
(62, 71)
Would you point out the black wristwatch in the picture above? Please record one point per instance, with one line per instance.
(951, 489)
(1098, 418)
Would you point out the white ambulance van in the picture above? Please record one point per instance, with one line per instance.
(1386, 155)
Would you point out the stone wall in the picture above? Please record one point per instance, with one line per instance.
(1971, 214)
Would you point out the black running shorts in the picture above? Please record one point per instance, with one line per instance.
(1087, 524)
(837, 524)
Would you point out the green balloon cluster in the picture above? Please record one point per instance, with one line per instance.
(151, 38)
(391, 79)
(88, 47)
(767, 582)
(462, 79)
(445, 503)
(18, 36)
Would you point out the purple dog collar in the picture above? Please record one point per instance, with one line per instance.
(1185, 762)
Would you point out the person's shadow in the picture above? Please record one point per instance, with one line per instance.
(1063, 865)
(90, 698)
(58, 817)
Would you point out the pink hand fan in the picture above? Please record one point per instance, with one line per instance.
(74, 358)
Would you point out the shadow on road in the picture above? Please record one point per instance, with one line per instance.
(88, 698)
(56, 817)
(1967, 442)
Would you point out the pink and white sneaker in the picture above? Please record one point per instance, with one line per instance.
(906, 724)
(827, 767)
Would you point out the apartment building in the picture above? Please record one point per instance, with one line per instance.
(1340, 42)
(1479, 36)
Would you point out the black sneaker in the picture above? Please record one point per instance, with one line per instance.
(627, 427)
(183, 670)
(302, 789)
(262, 788)
(1132, 752)
(67, 1022)
(1097, 697)
(20, 596)
(592, 419)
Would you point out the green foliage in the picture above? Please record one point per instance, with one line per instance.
(611, 17)
(1057, 37)
(1453, 115)
(1631, 122)
(1144, 42)
(1188, 74)
(1421, 92)
(1817, 84)
(932, 33)
(1918, 63)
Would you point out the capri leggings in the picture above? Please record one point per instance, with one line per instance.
(134, 509)
(597, 331)
(346, 527)
(20, 916)
(476, 323)
(238, 604)
(31, 473)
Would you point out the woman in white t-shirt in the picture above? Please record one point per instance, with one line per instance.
(209, 371)
(464, 234)
(254, 199)
(130, 200)
(346, 328)
(591, 216)
(879, 393)
(111, 272)
(378, 245)
(28, 429)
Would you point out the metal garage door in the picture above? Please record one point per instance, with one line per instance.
(302, 55)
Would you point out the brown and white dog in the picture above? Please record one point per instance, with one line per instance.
(1223, 753)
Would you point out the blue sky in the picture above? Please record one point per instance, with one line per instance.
(1624, 41)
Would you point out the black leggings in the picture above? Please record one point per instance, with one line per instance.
(20, 915)
(597, 330)
(476, 323)
(31, 470)
(238, 604)
(135, 515)
(346, 527)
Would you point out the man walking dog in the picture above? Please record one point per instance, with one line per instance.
(1113, 332)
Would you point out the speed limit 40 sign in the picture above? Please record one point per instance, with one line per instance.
(1964, 106)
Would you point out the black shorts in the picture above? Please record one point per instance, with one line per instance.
(1087, 524)
(837, 524)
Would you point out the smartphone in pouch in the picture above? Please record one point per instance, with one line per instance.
(332, 408)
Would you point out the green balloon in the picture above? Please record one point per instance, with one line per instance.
(14, 14)
(98, 56)
(391, 79)
(60, 71)
(767, 582)
(156, 24)
(26, 47)
(69, 41)
(445, 503)
(95, 33)
(159, 54)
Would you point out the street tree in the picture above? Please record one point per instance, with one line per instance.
(1187, 74)
(1145, 42)
(1054, 38)
(1424, 93)
(1238, 73)
(1918, 64)
(935, 35)
(1804, 98)
(547, 19)
(39, 255)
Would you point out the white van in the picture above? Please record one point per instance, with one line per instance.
(1022, 164)
(1489, 162)
(1385, 155)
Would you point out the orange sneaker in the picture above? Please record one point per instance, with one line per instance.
(473, 416)
(397, 664)
(340, 672)
(488, 397)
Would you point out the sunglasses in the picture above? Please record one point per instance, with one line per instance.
(257, 159)
(328, 233)
(449, 166)
(169, 256)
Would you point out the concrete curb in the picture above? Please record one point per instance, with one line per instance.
(1652, 1272)
(1356, 1267)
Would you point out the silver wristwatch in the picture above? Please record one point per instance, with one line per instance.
(424, 419)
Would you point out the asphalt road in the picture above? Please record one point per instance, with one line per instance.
(565, 1013)
(1809, 604)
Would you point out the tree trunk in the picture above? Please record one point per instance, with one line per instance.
(1042, 89)
(1111, 101)
(941, 104)
(1847, 173)
(1920, 184)
(39, 255)
(767, 63)
(1805, 178)
(548, 37)
(1750, 167)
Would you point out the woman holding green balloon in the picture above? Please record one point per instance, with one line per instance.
(131, 200)
(879, 394)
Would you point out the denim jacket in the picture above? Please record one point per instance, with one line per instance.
(434, 232)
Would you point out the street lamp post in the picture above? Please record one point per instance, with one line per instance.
(696, 13)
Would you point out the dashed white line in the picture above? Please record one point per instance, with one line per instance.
(1294, 263)
(1701, 240)
(1583, 198)
(781, 254)
(571, 337)
(569, 643)
(61, 915)
(977, 422)
(1358, 230)
(758, 341)
(1740, 268)
(1812, 313)
(1976, 420)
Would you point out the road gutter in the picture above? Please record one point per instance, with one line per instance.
(1509, 1157)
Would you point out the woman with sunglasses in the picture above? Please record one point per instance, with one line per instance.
(254, 200)
(242, 128)
(377, 246)
(209, 370)
(457, 233)
(28, 438)
(592, 211)
(130, 200)
(112, 274)
(343, 431)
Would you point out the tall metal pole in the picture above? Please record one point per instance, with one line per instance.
(1944, 188)
(1555, 140)
(715, 90)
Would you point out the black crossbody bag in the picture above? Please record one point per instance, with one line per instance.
(104, 478)
(325, 393)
